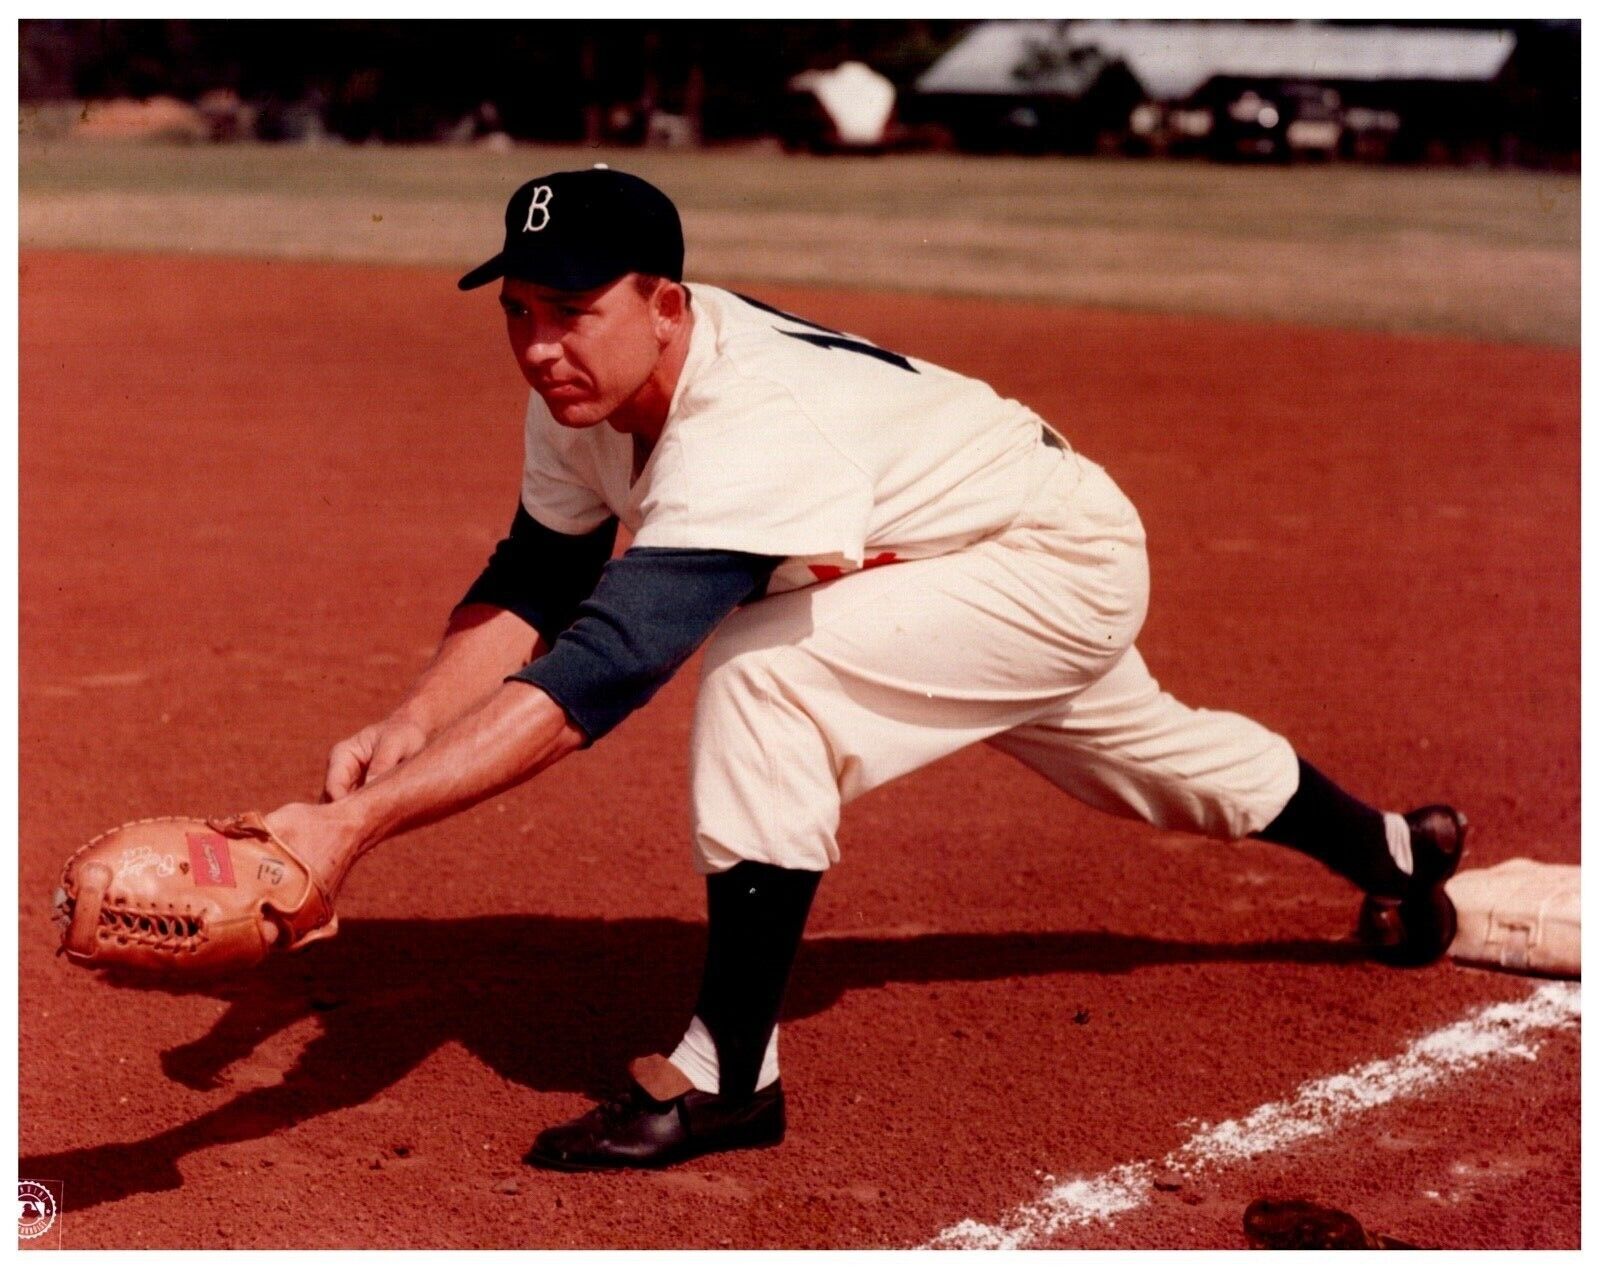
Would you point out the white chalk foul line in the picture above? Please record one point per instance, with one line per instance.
(1509, 1030)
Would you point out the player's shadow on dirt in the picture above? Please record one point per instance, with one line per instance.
(549, 1002)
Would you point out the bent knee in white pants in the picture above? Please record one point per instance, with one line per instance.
(811, 698)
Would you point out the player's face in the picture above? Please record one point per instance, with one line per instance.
(585, 352)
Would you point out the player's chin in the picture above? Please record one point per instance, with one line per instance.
(583, 412)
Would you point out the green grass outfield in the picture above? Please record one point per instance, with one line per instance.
(1486, 254)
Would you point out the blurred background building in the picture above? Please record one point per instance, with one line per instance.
(1478, 92)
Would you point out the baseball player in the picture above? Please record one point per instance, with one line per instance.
(890, 561)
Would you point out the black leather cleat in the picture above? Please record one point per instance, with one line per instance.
(645, 1129)
(1418, 927)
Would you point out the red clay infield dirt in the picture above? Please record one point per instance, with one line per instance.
(249, 494)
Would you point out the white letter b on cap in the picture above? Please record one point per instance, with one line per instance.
(539, 203)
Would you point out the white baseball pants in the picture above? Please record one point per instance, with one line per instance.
(1024, 639)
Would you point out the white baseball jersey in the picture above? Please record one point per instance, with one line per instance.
(1012, 619)
(788, 439)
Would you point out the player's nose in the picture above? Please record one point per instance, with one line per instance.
(541, 347)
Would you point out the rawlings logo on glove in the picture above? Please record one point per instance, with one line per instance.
(188, 897)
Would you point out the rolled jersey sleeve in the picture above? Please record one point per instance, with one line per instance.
(650, 610)
(542, 575)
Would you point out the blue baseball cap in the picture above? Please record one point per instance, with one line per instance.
(574, 231)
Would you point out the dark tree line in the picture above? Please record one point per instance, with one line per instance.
(577, 80)
(548, 80)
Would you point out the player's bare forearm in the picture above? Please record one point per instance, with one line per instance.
(482, 645)
(514, 734)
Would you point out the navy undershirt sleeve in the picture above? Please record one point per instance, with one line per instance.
(542, 575)
(652, 607)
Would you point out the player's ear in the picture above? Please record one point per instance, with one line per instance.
(668, 304)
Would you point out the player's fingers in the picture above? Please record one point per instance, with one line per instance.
(341, 781)
(346, 766)
(394, 747)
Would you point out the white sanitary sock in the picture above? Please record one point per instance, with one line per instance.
(696, 1057)
(1399, 835)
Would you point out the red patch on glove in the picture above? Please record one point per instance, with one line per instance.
(210, 860)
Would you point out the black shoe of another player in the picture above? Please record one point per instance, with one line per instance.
(1417, 928)
(643, 1130)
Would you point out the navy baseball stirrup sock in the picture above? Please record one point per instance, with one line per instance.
(757, 913)
(1347, 835)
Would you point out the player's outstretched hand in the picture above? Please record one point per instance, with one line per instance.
(376, 748)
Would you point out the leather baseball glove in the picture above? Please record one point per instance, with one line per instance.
(188, 897)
